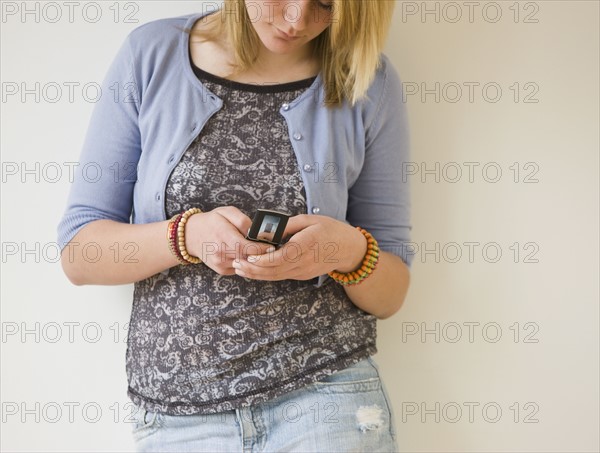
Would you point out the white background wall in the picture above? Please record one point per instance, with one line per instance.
(514, 340)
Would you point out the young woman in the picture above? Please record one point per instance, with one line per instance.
(236, 345)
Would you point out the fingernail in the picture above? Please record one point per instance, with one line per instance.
(252, 258)
(270, 249)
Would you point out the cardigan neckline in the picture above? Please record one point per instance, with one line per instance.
(188, 68)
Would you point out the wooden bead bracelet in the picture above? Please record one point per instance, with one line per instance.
(176, 237)
(366, 268)
(172, 238)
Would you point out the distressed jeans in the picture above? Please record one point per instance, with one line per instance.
(348, 411)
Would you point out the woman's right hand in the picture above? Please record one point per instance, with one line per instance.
(218, 237)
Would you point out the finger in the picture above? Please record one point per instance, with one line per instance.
(268, 259)
(247, 270)
(236, 217)
(288, 256)
(297, 223)
(254, 248)
(242, 223)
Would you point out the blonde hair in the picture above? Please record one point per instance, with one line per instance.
(348, 50)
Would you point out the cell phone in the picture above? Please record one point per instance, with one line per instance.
(268, 226)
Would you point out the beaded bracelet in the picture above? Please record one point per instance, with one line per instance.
(176, 237)
(366, 268)
(172, 238)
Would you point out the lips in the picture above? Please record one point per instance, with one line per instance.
(286, 36)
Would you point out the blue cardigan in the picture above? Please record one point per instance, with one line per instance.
(153, 106)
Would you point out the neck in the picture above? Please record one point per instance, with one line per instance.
(271, 63)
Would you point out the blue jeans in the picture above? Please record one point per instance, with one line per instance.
(348, 411)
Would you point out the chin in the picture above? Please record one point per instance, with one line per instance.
(280, 47)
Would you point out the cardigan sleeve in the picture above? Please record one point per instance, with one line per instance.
(379, 200)
(106, 173)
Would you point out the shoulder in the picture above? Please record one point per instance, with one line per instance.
(386, 81)
(385, 89)
(158, 33)
(159, 36)
(155, 45)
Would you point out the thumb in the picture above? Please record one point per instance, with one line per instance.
(297, 223)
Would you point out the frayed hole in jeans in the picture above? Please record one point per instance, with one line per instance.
(369, 417)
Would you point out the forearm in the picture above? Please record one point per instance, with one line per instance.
(106, 252)
(383, 292)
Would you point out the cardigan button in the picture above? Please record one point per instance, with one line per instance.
(316, 210)
(297, 136)
(308, 167)
(286, 106)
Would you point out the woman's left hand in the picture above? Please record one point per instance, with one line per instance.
(318, 245)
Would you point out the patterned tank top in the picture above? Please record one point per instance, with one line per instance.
(200, 342)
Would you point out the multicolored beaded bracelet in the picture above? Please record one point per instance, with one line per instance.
(367, 267)
(172, 238)
(176, 237)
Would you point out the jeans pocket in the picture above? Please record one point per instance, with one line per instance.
(388, 401)
(145, 423)
(358, 416)
(358, 377)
